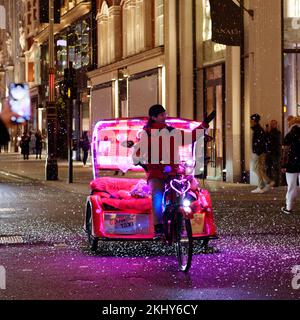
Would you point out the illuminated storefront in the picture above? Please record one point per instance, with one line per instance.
(74, 45)
(214, 97)
(291, 58)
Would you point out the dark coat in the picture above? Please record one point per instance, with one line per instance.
(258, 140)
(292, 140)
(4, 135)
(274, 143)
(38, 141)
(24, 144)
(85, 144)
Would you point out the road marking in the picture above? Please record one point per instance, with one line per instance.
(7, 210)
(11, 240)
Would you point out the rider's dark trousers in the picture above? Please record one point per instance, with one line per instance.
(157, 188)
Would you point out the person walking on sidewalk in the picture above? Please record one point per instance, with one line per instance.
(259, 151)
(273, 153)
(85, 145)
(32, 141)
(38, 144)
(5, 122)
(24, 144)
(291, 163)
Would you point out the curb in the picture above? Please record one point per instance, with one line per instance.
(53, 184)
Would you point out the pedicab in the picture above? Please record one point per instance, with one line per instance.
(121, 208)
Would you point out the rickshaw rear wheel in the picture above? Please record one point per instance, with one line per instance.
(93, 241)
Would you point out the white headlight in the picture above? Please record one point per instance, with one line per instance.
(186, 203)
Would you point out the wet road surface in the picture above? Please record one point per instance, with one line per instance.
(253, 259)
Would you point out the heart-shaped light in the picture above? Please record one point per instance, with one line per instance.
(182, 183)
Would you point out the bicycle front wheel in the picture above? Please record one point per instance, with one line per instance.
(184, 243)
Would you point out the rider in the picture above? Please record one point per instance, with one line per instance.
(156, 172)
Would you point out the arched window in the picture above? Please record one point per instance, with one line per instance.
(103, 33)
(159, 22)
(109, 37)
(137, 17)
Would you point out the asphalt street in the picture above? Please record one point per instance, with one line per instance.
(253, 257)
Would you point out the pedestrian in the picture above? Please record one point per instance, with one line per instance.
(273, 136)
(291, 163)
(38, 144)
(31, 142)
(85, 145)
(24, 144)
(5, 122)
(259, 151)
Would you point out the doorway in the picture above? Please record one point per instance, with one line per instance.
(291, 86)
(214, 99)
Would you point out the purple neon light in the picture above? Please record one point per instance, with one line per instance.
(101, 161)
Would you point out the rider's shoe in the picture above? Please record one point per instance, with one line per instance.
(158, 231)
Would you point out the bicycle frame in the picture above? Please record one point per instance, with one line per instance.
(173, 202)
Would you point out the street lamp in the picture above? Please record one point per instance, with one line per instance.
(51, 161)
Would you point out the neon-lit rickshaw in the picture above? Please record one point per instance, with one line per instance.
(121, 208)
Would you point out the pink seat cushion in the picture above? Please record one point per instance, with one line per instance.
(112, 185)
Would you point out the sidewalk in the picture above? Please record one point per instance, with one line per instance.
(32, 169)
(13, 165)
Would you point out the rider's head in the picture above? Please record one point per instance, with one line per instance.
(157, 113)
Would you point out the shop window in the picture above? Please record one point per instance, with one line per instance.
(30, 72)
(159, 22)
(78, 45)
(62, 55)
(291, 57)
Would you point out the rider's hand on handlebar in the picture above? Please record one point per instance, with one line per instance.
(203, 125)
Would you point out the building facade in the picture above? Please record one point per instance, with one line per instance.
(130, 70)
(131, 54)
(73, 43)
(161, 52)
(12, 59)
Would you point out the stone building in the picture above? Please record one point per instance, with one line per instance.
(161, 52)
(12, 60)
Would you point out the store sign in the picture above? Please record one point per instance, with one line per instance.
(2, 18)
(227, 23)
